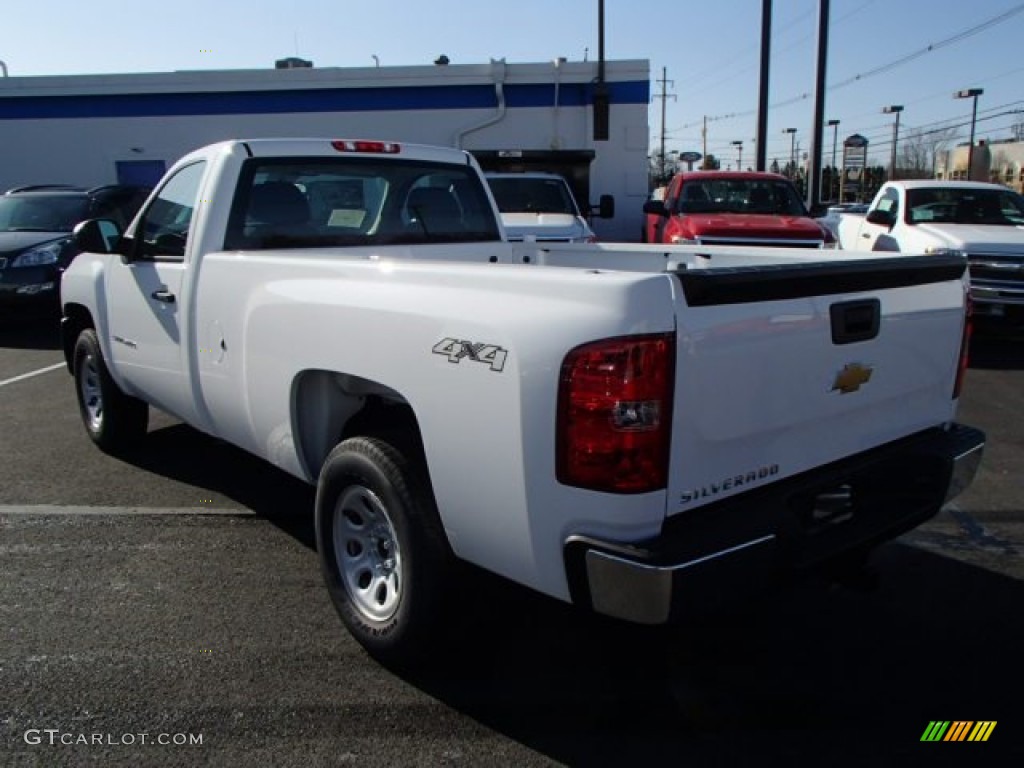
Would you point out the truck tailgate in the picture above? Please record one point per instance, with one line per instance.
(783, 369)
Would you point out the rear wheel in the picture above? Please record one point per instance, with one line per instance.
(382, 549)
(112, 419)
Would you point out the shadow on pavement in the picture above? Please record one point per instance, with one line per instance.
(997, 346)
(820, 675)
(189, 456)
(816, 675)
(29, 334)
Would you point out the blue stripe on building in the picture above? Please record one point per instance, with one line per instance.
(312, 100)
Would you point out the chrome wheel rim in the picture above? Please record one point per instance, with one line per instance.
(92, 395)
(367, 553)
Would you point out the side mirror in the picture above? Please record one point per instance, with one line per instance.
(606, 207)
(882, 218)
(656, 207)
(97, 236)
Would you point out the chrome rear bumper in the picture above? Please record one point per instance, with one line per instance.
(734, 548)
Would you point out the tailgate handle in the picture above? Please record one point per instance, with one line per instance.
(854, 321)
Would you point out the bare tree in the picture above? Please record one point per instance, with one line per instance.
(918, 150)
(1017, 130)
(998, 168)
(711, 163)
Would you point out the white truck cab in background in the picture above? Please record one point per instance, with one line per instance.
(540, 207)
(983, 221)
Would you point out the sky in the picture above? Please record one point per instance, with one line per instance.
(913, 53)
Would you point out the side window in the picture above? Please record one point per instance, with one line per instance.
(163, 231)
(890, 203)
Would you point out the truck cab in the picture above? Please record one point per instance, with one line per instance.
(540, 207)
(733, 208)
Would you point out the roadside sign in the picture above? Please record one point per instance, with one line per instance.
(689, 158)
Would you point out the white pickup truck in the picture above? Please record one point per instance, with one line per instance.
(540, 207)
(638, 430)
(983, 221)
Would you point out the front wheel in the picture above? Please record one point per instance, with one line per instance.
(382, 549)
(112, 419)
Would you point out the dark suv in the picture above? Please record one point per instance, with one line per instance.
(35, 238)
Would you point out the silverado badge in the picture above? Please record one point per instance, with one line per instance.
(851, 377)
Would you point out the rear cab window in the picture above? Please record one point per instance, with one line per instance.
(356, 201)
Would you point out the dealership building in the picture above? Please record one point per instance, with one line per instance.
(585, 120)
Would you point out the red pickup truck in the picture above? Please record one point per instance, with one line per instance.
(733, 208)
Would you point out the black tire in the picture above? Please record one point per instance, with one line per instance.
(382, 550)
(113, 420)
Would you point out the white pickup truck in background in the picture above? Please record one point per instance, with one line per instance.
(540, 207)
(983, 221)
(639, 430)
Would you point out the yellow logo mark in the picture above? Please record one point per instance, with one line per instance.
(851, 378)
(958, 730)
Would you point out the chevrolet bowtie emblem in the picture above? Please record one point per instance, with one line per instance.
(851, 377)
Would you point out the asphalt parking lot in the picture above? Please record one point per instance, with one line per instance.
(176, 594)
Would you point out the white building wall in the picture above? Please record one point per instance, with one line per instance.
(75, 129)
(999, 162)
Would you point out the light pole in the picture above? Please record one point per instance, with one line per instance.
(792, 149)
(739, 158)
(970, 93)
(894, 109)
(834, 125)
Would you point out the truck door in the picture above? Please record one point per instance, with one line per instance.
(145, 315)
(876, 237)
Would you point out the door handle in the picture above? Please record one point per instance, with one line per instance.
(163, 295)
(865, 235)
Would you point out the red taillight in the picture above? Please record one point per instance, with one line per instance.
(370, 147)
(965, 344)
(615, 414)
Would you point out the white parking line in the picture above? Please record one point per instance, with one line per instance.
(53, 509)
(40, 372)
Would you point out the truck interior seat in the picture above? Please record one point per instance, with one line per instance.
(433, 210)
(277, 202)
(276, 208)
(760, 200)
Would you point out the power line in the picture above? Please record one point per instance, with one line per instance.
(953, 39)
(932, 47)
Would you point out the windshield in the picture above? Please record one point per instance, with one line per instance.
(945, 205)
(323, 202)
(773, 197)
(42, 213)
(531, 195)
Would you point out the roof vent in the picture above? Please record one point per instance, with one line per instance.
(293, 62)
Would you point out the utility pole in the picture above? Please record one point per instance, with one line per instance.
(894, 109)
(817, 127)
(664, 96)
(970, 93)
(834, 125)
(761, 142)
(704, 140)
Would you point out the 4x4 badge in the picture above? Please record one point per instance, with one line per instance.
(851, 378)
(456, 350)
